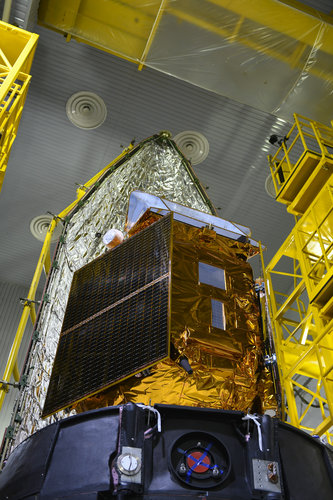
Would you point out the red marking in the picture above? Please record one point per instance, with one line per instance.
(196, 456)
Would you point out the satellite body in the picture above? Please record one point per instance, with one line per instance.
(170, 316)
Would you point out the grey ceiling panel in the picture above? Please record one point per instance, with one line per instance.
(50, 154)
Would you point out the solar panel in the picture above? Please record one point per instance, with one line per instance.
(116, 321)
(116, 274)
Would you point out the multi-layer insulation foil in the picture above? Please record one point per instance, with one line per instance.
(155, 166)
(214, 325)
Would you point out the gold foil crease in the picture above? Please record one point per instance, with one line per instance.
(228, 370)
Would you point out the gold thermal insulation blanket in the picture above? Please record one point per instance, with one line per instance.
(227, 359)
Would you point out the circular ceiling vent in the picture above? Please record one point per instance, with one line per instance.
(40, 225)
(269, 186)
(86, 110)
(193, 144)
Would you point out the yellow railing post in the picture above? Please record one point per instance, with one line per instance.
(300, 131)
(292, 408)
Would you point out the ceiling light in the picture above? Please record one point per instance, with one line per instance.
(269, 186)
(40, 225)
(86, 110)
(193, 144)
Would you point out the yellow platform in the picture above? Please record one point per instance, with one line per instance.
(305, 181)
(302, 164)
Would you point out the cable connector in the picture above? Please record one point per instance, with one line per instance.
(269, 359)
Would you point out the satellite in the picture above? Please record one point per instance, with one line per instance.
(173, 304)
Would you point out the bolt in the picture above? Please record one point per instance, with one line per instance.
(216, 472)
(182, 469)
(165, 134)
(269, 360)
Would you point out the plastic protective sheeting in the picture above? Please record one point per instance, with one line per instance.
(263, 53)
(139, 202)
(144, 205)
(227, 363)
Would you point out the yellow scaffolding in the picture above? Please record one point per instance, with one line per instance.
(17, 48)
(299, 278)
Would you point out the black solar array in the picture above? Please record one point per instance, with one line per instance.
(140, 260)
(116, 321)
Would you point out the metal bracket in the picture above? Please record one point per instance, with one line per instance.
(65, 219)
(18, 418)
(9, 432)
(4, 385)
(17, 385)
(269, 360)
(12, 384)
(266, 475)
(82, 187)
(36, 335)
(28, 302)
(23, 382)
(46, 298)
(259, 287)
